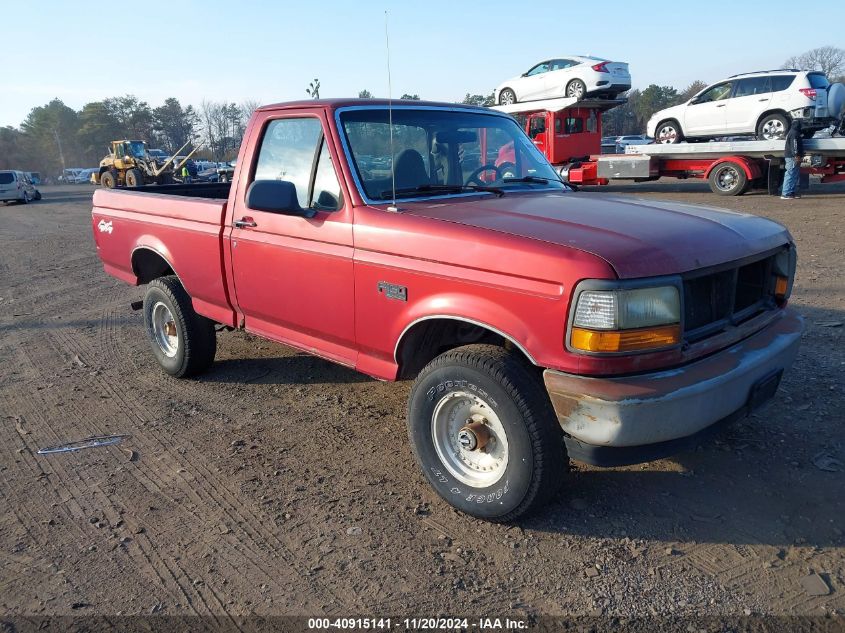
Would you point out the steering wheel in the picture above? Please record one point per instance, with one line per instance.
(474, 176)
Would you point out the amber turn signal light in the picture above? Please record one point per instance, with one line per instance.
(625, 340)
(781, 286)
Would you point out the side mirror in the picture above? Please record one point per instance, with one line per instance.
(275, 196)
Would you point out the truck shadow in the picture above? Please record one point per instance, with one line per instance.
(775, 478)
(297, 369)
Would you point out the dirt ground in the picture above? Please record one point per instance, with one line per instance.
(279, 483)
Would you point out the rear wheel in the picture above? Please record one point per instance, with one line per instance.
(772, 127)
(728, 179)
(483, 432)
(507, 97)
(183, 342)
(576, 89)
(108, 180)
(668, 132)
(134, 178)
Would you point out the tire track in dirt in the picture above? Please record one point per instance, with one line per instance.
(161, 571)
(219, 496)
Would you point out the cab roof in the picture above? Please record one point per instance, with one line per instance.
(334, 104)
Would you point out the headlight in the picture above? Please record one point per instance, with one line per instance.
(626, 320)
(784, 274)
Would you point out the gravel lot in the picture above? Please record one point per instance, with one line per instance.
(279, 483)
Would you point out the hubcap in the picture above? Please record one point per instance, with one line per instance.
(727, 178)
(469, 439)
(773, 129)
(576, 90)
(667, 134)
(164, 330)
(507, 98)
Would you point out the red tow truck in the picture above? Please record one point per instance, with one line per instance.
(538, 324)
(568, 132)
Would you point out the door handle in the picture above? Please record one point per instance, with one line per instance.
(721, 105)
(762, 99)
(245, 222)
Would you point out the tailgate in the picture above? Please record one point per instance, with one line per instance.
(618, 69)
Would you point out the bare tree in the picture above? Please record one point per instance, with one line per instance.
(828, 59)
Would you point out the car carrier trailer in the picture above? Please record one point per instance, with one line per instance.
(568, 132)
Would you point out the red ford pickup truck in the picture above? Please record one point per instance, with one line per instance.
(538, 324)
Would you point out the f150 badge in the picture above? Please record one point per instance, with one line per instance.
(393, 291)
(105, 227)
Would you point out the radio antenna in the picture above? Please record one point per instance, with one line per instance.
(393, 208)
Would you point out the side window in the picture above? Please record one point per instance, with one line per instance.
(538, 69)
(569, 125)
(326, 194)
(560, 64)
(717, 93)
(781, 82)
(287, 153)
(752, 86)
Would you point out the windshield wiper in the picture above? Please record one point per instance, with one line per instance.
(537, 179)
(388, 193)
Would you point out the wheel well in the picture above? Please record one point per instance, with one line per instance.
(148, 265)
(768, 112)
(427, 339)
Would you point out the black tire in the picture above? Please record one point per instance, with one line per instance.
(805, 134)
(37, 195)
(134, 178)
(507, 96)
(514, 395)
(576, 89)
(108, 180)
(773, 127)
(728, 179)
(196, 339)
(671, 132)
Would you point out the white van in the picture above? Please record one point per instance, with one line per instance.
(16, 186)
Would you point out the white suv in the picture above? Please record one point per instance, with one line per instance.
(759, 103)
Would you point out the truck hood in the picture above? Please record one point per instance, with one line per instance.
(638, 237)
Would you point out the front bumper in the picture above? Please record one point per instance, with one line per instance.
(667, 406)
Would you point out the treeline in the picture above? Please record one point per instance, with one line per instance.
(55, 136)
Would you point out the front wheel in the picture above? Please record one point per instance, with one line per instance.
(183, 342)
(507, 97)
(484, 433)
(668, 132)
(134, 178)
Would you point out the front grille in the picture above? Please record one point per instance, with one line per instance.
(727, 297)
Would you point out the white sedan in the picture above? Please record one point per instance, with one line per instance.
(572, 76)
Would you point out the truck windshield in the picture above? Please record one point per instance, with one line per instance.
(441, 152)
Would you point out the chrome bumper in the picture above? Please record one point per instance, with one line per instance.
(667, 405)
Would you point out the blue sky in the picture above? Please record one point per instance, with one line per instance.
(235, 50)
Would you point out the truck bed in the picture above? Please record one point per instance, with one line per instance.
(179, 227)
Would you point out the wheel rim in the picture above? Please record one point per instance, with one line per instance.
(576, 89)
(507, 98)
(773, 129)
(164, 330)
(727, 179)
(667, 134)
(482, 466)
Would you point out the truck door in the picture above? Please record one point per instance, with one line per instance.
(751, 98)
(293, 275)
(705, 114)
